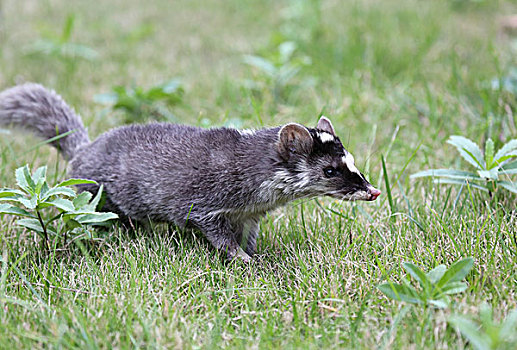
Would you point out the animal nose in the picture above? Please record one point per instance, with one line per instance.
(374, 193)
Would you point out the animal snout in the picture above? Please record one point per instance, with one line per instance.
(374, 193)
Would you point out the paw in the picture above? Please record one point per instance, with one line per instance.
(241, 255)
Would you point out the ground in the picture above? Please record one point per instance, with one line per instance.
(397, 78)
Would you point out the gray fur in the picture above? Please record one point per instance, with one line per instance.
(221, 181)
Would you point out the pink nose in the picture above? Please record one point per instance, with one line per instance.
(374, 193)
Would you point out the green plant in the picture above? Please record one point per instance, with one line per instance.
(486, 333)
(435, 286)
(489, 167)
(35, 196)
(140, 103)
(302, 20)
(60, 46)
(278, 70)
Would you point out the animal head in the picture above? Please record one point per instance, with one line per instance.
(315, 163)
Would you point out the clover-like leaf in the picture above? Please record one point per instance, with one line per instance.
(61, 203)
(454, 288)
(7, 193)
(417, 274)
(27, 203)
(439, 303)
(400, 292)
(32, 224)
(95, 218)
(82, 200)
(509, 148)
(95, 201)
(510, 186)
(456, 272)
(39, 178)
(449, 173)
(460, 182)
(489, 153)
(13, 210)
(468, 150)
(24, 179)
(74, 182)
(509, 168)
(435, 274)
(58, 191)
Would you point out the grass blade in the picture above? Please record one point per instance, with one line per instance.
(387, 183)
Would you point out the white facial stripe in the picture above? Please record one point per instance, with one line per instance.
(349, 162)
(325, 137)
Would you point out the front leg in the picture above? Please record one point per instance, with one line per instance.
(219, 232)
(248, 233)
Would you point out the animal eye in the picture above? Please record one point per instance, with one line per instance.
(330, 172)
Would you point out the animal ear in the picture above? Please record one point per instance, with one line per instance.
(324, 124)
(294, 138)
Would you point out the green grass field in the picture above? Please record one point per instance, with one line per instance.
(397, 78)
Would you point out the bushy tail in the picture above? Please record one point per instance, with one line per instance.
(42, 111)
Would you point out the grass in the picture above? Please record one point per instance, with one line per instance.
(397, 78)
